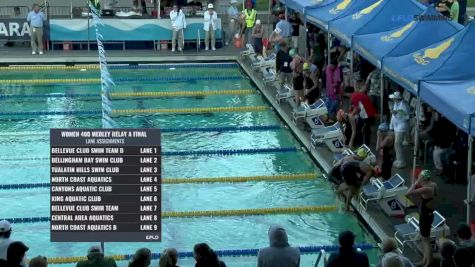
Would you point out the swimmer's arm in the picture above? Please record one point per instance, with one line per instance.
(353, 130)
(418, 191)
(369, 173)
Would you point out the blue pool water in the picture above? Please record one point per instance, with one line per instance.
(182, 233)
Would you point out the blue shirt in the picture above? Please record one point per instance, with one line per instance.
(233, 12)
(36, 19)
(286, 28)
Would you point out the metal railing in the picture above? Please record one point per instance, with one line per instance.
(321, 254)
(9, 12)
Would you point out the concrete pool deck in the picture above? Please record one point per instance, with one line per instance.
(452, 207)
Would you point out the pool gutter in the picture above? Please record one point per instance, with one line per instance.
(369, 222)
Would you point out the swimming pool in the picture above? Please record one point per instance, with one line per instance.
(24, 157)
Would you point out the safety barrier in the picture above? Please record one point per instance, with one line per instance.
(118, 67)
(137, 111)
(136, 79)
(135, 94)
(223, 152)
(221, 253)
(239, 179)
(211, 213)
(171, 130)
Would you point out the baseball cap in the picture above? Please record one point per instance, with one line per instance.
(395, 95)
(5, 226)
(210, 6)
(278, 30)
(258, 22)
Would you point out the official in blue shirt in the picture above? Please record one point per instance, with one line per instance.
(285, 27)
(36, 18)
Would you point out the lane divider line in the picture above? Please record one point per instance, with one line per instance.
(142, 66)
(136, 79)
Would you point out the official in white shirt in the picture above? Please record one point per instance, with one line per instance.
(400, 124)
(178, 24)
(210, 24)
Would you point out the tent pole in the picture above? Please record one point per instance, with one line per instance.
(328, 47)
(416, 139)
(469, 177)
(270, 13)
(351, 66)
(381, 99)
(306, 33)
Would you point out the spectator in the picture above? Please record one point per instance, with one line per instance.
(351, 129)
(463, 257)
(297, 80)
(364, 109)
(257, 35)
(400, 124)
(455, 159)
(5, 241)
(390, 248)
(464, 236)
(384, 147)
(205, 256)
(462, 11)
(427, 190)
(449, 8)
(38, 261)
(426, 125)
(311, 84)
(275, 39)
(168, 258)
(347, 255)
(392, 259)
(195, 4)
(354, 174)
(317, 56)
(443, 6)
(333, 84)
(279, 253)
(142, 258)
(250, 18)
(95, 258)
(447, 250)
(285, 27)
(36, 18)
(374, 89)
(282, 64)
(16, 255)
(210, 26)
(443, 135)
(296, 22)
(233, 19)
(178, 24)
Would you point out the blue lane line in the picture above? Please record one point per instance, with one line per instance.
(223, 129)
(44, 113)
(2, 97)
(191, 78)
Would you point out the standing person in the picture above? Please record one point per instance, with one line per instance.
(205, 256)
(95, 258)
(390, 248)
(427, 190)
(297, 75)
(333, 85)
(275, 39)
(347, 254)
(374, 89)
(285, 27)
(5, 240)
(282, 64)
(233, 21)
(142, 258)
(295, 21)
(361, 105)
(311, 84)
(16, 255)
(211, 21)
(36, 18)
(351, 129)
(384, 147)
(168, 258)
(400, 125)
(250, 18)
(178, 24)
(462, 11)
(279, 253)
(257, 35)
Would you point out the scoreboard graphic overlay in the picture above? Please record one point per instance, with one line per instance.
(105, 185)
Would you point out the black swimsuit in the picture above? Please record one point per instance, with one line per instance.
(426, 214)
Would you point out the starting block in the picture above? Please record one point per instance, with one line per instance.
(331, 136)
(392, 207)
(312, 113)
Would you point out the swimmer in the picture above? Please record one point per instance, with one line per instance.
(360, 155)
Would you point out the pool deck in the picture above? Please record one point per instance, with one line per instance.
(451, 201)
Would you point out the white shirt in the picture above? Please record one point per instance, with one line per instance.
(4, 243)
(178, 20)
(210, 19)
(400, 117)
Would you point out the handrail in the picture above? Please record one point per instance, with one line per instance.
(320, 254)
(198, 42)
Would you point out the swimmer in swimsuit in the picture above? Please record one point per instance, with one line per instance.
(427, 190)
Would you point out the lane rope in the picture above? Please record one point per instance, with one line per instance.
(210, 213)
(135, 79)
(118, 67)
(219, 152)
(220, 253)
(172, 130)
(139, 111)
(134, 94)
(238, 179)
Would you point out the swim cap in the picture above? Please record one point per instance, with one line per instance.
(278, 30)
(292, 52)
(362, 153)
(340, 114)
(383, 127)
(306, 66)
(425, 174)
